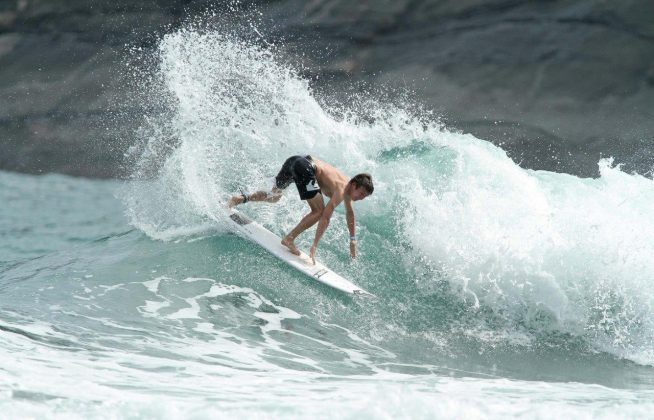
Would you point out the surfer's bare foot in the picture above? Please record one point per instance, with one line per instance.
(235, 200)
(288, 243)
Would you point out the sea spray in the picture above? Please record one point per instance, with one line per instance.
(541, 253)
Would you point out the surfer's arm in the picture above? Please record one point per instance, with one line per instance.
(322, 225)
(324, 222)
(351, 226)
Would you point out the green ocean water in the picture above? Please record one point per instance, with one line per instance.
(210, 325)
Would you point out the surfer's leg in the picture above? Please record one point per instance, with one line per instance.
(317, 205)
(282, 180)
(268, 196)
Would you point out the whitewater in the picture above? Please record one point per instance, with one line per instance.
(501, 291)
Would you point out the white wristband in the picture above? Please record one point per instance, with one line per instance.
(353, 238)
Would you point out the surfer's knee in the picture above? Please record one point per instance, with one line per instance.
(274, 196)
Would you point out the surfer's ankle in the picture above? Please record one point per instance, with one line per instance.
(289, 243)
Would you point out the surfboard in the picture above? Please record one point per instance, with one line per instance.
(258, 234)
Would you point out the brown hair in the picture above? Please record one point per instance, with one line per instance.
(365, 181)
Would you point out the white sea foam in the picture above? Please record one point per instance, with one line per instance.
(549, 251)
(545, 252)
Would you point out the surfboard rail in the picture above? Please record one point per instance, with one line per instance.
(258, 234)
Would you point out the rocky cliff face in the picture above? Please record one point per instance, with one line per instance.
(556, 83)
(60, 80)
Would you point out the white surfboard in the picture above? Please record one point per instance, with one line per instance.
(271, 242)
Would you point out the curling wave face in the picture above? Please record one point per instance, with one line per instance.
(516, 255)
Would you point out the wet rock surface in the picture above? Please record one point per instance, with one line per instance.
(557, 84)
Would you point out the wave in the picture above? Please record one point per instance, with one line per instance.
(521, 254)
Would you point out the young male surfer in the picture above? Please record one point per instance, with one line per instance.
(313, 179)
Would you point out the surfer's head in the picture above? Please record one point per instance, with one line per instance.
(361, 187)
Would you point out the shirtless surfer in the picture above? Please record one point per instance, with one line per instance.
(313, 178)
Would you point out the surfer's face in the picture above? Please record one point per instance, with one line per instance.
(359, 193)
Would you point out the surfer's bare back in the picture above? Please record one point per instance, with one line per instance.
(313, 179)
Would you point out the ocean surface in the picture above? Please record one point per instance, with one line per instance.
(502, 292)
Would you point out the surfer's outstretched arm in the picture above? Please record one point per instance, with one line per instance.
(351, 226)
(323, 223)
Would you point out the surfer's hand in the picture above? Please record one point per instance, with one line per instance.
(353, 249)
(312, 254)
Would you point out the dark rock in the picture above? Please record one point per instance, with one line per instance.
(576, 74)
(557, 84)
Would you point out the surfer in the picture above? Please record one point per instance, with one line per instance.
(313, 179)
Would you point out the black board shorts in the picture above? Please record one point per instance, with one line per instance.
(302, 171)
